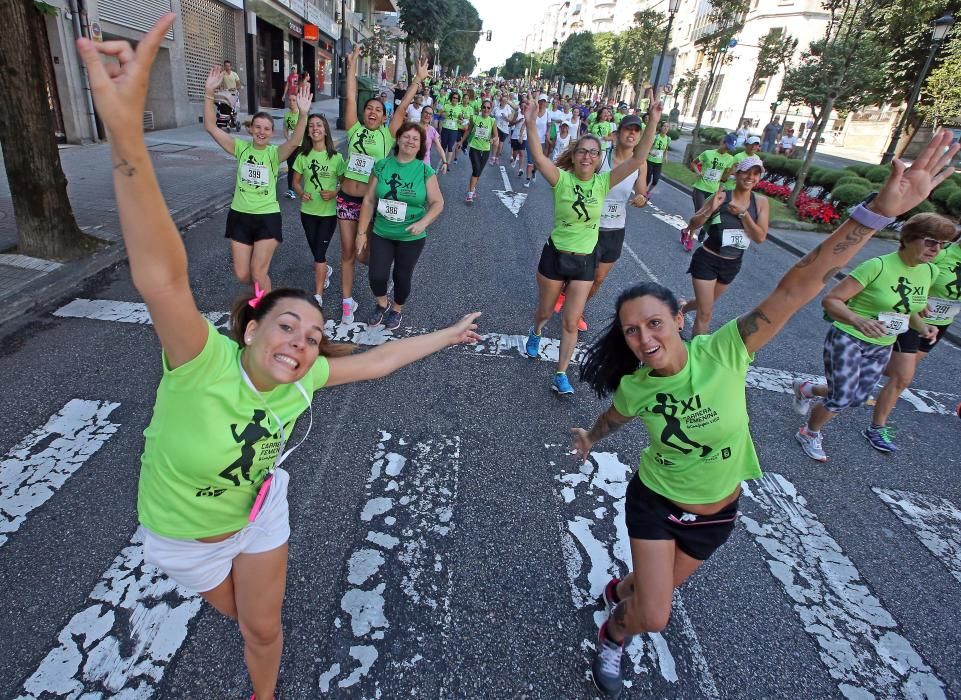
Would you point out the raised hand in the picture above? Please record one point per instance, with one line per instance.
(214, 80)
(905, 187)
(120, 89)
(654, 107)
(422, 70)
(353, 56)
(304, 97)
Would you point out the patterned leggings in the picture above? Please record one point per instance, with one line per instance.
(852, 367)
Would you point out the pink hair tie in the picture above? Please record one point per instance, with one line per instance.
(258, 295)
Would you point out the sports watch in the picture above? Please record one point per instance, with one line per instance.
(869, 219)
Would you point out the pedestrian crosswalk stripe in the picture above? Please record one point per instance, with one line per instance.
(491, 344)
(859, 641)
(37, 466)
(935, 521)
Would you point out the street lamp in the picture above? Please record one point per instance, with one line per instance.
(939, 30)
(553, 60)
(532, 71)
(672, 7)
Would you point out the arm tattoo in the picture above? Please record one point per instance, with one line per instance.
(830, 274)
(852, 239)
(809, 258)
(604, 426)
(124, 167)
(747, 325)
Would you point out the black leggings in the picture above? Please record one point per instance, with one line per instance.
(290, 169)
(403, 255)
(478, 159)
(653, 173)
(319, 230)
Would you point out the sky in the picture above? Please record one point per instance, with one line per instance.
(510, 21)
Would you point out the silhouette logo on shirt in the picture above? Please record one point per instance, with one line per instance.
(903, 289)
(394, 181)
(247, 438)
(315, 170)
(956, 284)
(580, 208)
(673, 435)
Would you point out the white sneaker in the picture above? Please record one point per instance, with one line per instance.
(319, 299)
(811, 443)
(802, 404)
(527, 184)
(348, 308)
(330, 271)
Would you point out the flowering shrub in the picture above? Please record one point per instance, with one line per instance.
(808, 208)
(781, 192)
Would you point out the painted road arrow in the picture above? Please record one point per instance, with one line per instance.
(510, 199)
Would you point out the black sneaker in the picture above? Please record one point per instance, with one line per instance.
(393, 320)
(377, 317)
(606, 668)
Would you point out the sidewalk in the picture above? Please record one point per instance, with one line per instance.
(197, 179)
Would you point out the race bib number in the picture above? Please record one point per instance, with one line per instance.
(942, 309)
(392, 210)
(360, 164)
(735, 238)
(613, 210)
(712, 174)
(895, 324)
(258, 175)
(657, 154)
(482, 132)
(450, 124)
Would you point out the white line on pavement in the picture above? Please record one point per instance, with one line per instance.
(858, 639)
(120, 644)
(401, 566)
(934, 520)
(640, 262)
(596, 547)
(509, 198)
(37, 466)
(507, 182)
(491, 345)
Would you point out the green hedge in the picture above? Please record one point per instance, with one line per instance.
(711, 135)
(878, 173)
(674, 134)
(849, 194)
(924, 207)
(774, 163)
(944, 192)
(848, 179)
(859, 169)
(828, 178)
(792, 166)
(954, 203)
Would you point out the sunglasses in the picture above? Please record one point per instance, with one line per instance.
(592, 152)
(935, 243)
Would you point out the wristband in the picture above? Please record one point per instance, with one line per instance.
(867, 218)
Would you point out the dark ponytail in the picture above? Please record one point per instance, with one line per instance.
(609, 359)
(243, 313)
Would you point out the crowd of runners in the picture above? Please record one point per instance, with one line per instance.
(382, 194)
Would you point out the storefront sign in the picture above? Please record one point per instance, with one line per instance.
(295, 28)
(311, 32)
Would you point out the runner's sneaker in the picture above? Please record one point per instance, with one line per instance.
(291, 194)
(606, 668)
(561, 384)
(608, 597)
(455, 161)
(527, 184)
(393, 319)
(811, 443)
(469, 198)
(559, 304)
(684, 234)
(330, 271)
(319, 299)
(377, 317)
(802, 402)
(581, 324)
(689, 245)
(533, 345)
(880, 438)
(348, 308)
(519, 173)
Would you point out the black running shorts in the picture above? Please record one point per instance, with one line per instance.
(568, 267)
(707, 266)
(250, 228)
(911, 342)
(610, 243)
(650, 516)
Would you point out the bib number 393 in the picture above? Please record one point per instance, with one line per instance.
(894, 324)
(735, 238)
(392, 210)
(360, 164)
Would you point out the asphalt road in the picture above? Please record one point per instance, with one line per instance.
(445, 542)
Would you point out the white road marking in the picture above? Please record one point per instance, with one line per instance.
(406, 576)
(121, 643)
(506, 180)
(596, 547)
(491, 345)
(37, 466)
(934, 520)
(859, 641)
(672, 220)
(509, 198)
(647, 270)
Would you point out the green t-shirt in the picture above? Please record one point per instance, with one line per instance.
(890, 286)
(211, 441)
(364, 148)
(467, 113)
(659, 148)
(401, 197)
(618, 117)
(319, 172)
(577, 211)
(591, 118)
(602, 129)
(713, 165)
(256, 188)
(475, 105)
(483, 133)
(944, 301)
(290, 120)
(731, 182)
(452, 116)
(697, 420)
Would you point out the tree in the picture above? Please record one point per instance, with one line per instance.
(46, 227)
(639, 45)
(578, 60)
(458, 46)
(380, 44)
(724, 22)
(686, 86)
(941, 96)
(515, 65)
(424, 22)
(607, 45)
(777, 50)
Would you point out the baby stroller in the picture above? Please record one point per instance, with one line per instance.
(227, 105)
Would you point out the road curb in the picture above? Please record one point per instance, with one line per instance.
(800, 252)
(55, 285)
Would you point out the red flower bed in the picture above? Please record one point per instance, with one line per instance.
(808, 208)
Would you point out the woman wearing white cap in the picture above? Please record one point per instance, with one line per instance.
(539, 132)
(736, 219)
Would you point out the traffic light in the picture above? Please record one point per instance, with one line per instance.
(489, 34)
